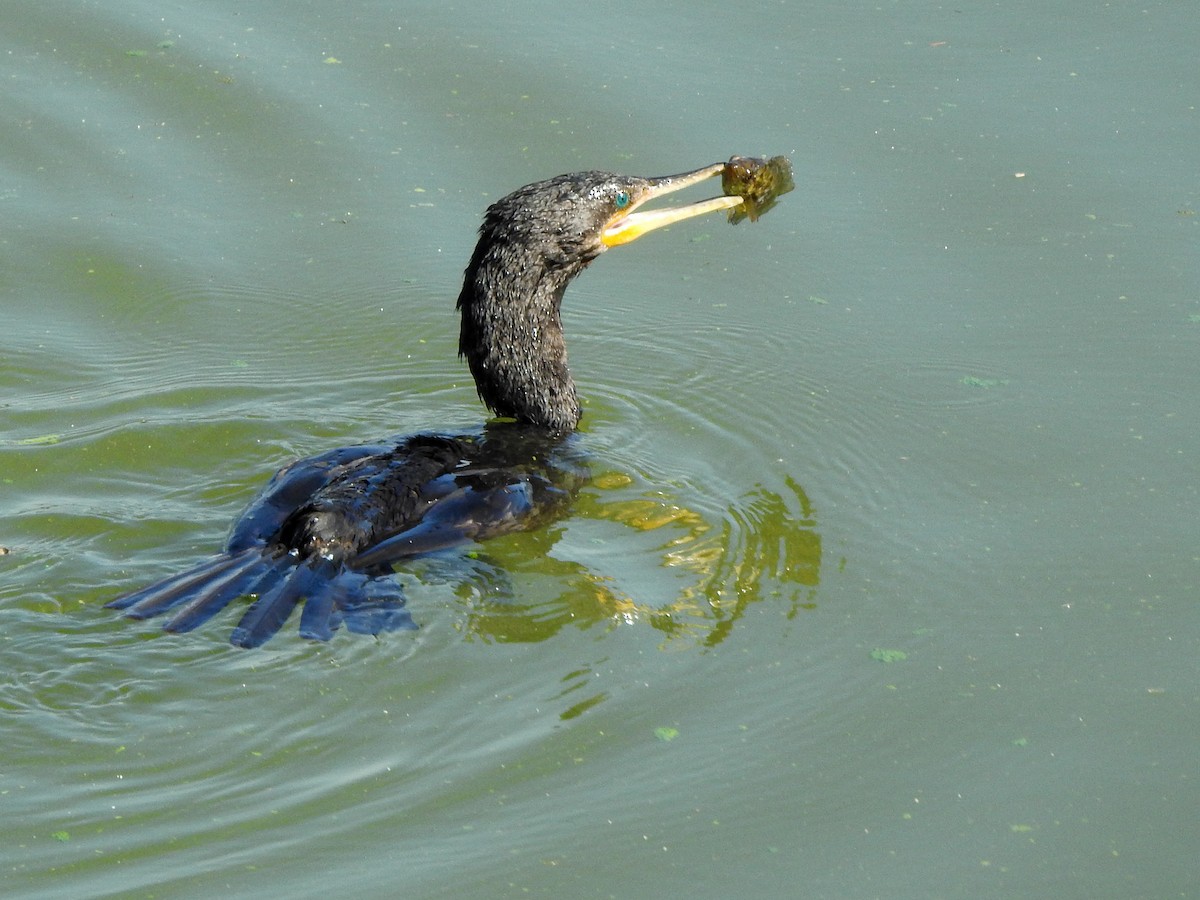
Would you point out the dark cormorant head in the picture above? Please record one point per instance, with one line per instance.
(531, 244)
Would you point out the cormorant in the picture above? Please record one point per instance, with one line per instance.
(327, 530)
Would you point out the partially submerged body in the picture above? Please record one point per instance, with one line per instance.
(330, 528)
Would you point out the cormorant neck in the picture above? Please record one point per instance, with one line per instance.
(511, 331)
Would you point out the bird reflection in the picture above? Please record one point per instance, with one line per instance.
(766, 548)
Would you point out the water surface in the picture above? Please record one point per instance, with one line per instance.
(885, 582)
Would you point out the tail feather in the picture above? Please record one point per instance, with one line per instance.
(158, 598)
(267, 614)
(256, 577)
(332, 595)
(320, 617)
(380, 607)
(162, 595)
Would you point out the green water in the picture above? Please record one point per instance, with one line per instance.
(886, 581)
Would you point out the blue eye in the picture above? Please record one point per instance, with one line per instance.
(622, 199)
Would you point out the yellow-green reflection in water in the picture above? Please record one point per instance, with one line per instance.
(766, 548)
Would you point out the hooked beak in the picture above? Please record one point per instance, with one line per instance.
(629, 225)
